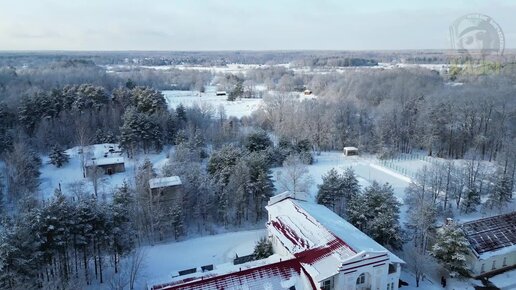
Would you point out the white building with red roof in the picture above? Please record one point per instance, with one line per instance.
(314, 249)
(334, 253)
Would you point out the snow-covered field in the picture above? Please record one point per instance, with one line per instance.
(237, 108)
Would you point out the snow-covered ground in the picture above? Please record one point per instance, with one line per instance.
(237, 108)
(365, 167)
(505, 281)
(161, 260)
(70, 176)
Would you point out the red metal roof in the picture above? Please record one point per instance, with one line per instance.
(271, 276)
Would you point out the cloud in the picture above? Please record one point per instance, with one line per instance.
(232, 24)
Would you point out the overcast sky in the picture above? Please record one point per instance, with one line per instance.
(240, 24)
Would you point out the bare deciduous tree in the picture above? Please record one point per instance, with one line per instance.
(295, 176)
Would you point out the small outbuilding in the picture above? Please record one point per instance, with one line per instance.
(307, 92)
(221, 93)
(350, 151)
(165, 188)
(109, 165)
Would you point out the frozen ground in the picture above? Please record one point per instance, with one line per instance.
(431, 284)
(71, 179)
(237, 108)
(162, 260)
(365, 167)
(505, 281)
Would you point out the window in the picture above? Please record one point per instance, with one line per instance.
(389, 286)
(504, 261)
(392, 268)
(326, 285)
(361, 279)
(494, 265)
(482, 270)
(392, 286)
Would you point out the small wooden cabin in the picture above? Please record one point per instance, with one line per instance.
(307, 92)
(221, 93)
(109, 165)
(350, 151)
(165, 188)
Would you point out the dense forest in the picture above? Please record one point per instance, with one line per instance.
(49, 103)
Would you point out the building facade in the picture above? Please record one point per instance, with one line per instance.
(492, 244)
(335, 253)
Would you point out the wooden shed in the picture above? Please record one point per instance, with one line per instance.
(350, 151)
(165, 188)
(109, 165)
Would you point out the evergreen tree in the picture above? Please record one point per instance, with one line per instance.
(19, 255)
(263, 249)
(351, 186)
(181, 113)
(58, 156)
(140, 130)
(501, 194)
(331, 191)
(259, 185)
(148, 101)
(257, 141)
(451, 249)
(470, 201)
(177, 221)
(382, 214)
(130, 84)
(237, 91)
(22, 172)
(221, 163)
(356, 212)
(123, 228)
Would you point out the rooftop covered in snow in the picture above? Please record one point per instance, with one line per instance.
(315, 232)
(104, 161)
(492, 234)
(160, 182)
(270, 273)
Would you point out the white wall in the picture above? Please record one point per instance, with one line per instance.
(476, 264)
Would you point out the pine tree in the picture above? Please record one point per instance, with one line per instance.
(382, 214)
(237, 91)
(221, 163)
(181, 113)
(450, 249)
(351, 186)
(177, 221)
(331, 191)
(58, 156)
(501, 194)
(356, 212)
(260, 185)
(263, 249)
(123, 228)
(470, 201)
(257, 141)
